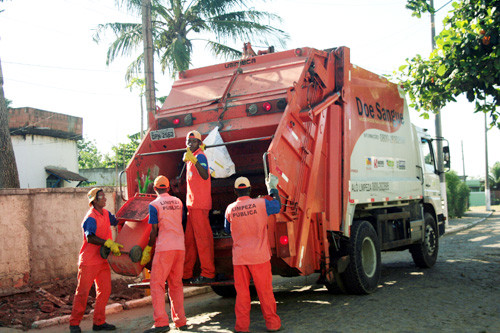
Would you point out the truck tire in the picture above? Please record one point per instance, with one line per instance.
(336, 285)
(425, 254)
(227, 291)
(362, 275)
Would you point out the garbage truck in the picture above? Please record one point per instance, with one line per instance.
(356, 177)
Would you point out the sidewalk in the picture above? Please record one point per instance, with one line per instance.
(471, 218)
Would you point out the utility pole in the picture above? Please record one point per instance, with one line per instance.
(486, 180)
(439, 132)
(463, 160)
(148, 57)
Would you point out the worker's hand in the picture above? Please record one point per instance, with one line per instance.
(271, 182)
(203, 146)
(114, 247)
(146, 255)
(188, 156)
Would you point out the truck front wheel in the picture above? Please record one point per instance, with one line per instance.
(362, 275)
(425, 254)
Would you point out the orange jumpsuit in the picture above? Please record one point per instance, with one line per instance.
(168, 261)
(93, 268)
(199, 237)
(251, 259)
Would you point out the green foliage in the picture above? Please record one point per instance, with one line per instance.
(419, 7)
(145, 183)
(88, 155)
(8, 103)
(466, 60)
(177, 22)
(457, 195)
(495, 176)
(123, 152)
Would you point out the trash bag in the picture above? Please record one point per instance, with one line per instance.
(219, 161)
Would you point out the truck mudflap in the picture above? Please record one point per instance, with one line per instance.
(441, 224)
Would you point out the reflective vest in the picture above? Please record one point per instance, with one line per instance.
(248, 219)
(170, 231)
(199, 190)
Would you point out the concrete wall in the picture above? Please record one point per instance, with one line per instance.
(103, 176)
(35, 152)
(40, 233)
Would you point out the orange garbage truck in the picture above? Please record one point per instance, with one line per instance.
(356, 177)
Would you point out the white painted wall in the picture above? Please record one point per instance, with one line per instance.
(35, 152)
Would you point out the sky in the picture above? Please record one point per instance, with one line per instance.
(50, 62)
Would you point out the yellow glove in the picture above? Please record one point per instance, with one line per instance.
(146, 255)
(203, 146)
(114, 247)
(188, 156)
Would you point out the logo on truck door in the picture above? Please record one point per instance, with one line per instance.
(379, 114)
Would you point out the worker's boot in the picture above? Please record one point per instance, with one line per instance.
(75, 329)
(158, 329)
(103, 327)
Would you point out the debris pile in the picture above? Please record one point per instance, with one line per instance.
(56, 299)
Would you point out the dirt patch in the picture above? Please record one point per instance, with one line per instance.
(56, 299)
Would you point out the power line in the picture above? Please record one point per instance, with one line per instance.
(66, 89)
(62, 68)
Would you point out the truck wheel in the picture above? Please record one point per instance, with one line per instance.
(334, 284)
(225, 291)
(425, 254)
(362, 275)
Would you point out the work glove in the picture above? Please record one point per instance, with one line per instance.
(271, 182)
(114, 247)
(146, 255)
(188, 156)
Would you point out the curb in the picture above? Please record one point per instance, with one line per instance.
(466, 226)
(118, 307)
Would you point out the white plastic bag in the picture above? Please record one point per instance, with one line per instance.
(219, 161)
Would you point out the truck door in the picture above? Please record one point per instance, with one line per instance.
(431, 178)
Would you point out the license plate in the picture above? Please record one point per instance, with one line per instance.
(166, 133)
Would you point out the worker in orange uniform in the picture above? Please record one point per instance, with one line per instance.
(92, 268)
(165, 217)
(246, 220)
(199, 238)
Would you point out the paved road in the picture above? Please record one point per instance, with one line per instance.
(460, 294)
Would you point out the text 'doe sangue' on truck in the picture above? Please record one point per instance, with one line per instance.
(355, 176)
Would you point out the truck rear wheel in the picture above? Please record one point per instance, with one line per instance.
(425, 254)
(362, 275)
(225, 291)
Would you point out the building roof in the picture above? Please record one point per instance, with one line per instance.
(31, 121)
(65, 174)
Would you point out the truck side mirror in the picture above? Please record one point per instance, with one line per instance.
(446, 158)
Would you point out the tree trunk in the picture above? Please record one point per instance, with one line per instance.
(9, 178)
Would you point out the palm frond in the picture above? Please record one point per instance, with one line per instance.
(245, 26)
(176, 56)
(135, 68)
(129, 37)
(223, 51)
(218, 7)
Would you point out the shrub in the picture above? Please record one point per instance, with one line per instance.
(457, 195)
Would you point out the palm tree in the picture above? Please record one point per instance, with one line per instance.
(177, 23)
(495, 176)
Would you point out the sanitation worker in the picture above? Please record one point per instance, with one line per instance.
(246, 220)
(165, 217)
(92, 268)
(199, 238)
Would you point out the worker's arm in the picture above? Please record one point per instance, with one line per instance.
(200, 162)
(202, 166)
(89, 228)
(273, 206)
(153, 220)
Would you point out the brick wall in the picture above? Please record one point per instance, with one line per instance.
(26, 120)
(40, 235)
